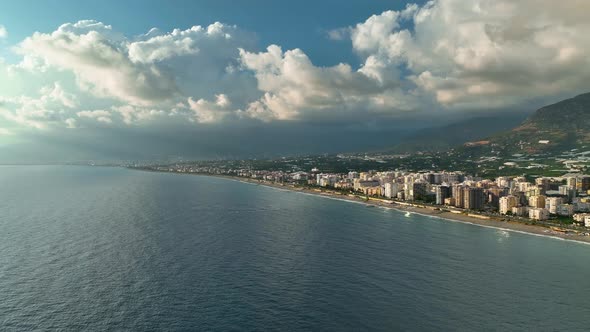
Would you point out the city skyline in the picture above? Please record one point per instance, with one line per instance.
(557, 205)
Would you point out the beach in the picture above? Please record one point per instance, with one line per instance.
(431, 211)
(435, 212)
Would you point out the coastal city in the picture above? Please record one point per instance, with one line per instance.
(562, 203)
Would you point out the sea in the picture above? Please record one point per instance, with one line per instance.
(105, 249)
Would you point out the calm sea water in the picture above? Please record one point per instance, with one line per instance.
(86, 248)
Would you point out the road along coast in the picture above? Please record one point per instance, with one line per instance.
(431, 211)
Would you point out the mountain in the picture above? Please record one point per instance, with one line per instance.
(448, 136)
(562, 126)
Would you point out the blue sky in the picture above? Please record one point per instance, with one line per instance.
(292, 24)
(78, 78)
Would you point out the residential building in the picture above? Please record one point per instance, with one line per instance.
(494, 195)
(538, 214)
(551, 204)
(419, 191)
(565, 210)
(520, 211)
(391, 189)
(458, 195)
(450, 201)
(507, 203)
(442, 193)
(537, 201)
(583, 218)
(474, 198)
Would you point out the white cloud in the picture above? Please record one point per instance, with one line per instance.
(151, 70)
(133, 115)
(158, 47)
(70, 123)
(210, 112)
(139, 78)
(49, 107)
(445, 54)
(57, 93)
(100, 63)
(293, 87)
(3, 32)
(98, 115)
(338, 34)
(487, 53)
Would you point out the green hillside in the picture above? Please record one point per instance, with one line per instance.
(448, 136)
(554, 128)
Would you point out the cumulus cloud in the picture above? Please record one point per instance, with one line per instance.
(209, 112)
(294, 87)
(100, 63)
(487, 53)
(134, 115)
(158, 47)
(3, 32)
(443, 55)
(338, 34)
(98, 115)
(137, 78)
(70, 123)
(57, 93)
(49, 107)
(150, 70)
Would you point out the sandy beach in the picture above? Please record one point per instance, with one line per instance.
(431, 211)
(478, 220)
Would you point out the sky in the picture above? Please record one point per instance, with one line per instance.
(110, 80)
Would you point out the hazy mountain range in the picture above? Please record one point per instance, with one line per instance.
(450, 135)
(561, 126)
(557, 127)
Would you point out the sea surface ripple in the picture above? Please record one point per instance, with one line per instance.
(91, 248)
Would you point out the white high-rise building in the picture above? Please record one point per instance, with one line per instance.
(552, 202)
(353, 175)
(520, 211)
(537, 201)
(391, 189)
(507, 203)
(504, 181)
(538, 214)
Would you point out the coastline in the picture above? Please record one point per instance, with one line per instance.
(509, 226)
(472, 219)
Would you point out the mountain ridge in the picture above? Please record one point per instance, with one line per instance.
(561, 126)
(434, 139)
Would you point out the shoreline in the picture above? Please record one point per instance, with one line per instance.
(463, 217)
(508, 226)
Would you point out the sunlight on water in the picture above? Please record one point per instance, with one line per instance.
(113, 249)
